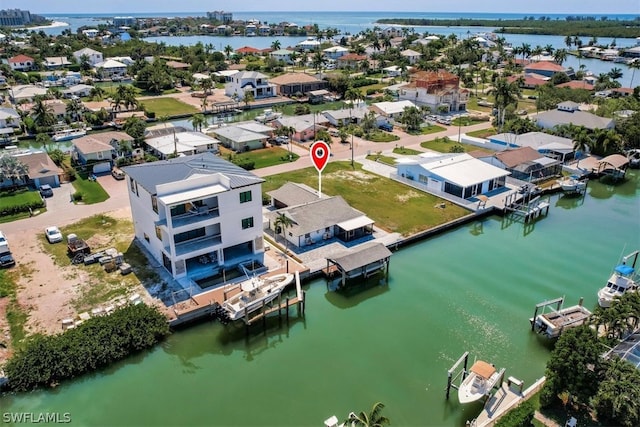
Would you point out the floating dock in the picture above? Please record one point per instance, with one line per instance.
(553, 323)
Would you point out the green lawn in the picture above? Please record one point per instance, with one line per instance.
(381, 136)
(91, 191)
(262, 158)
(393, 206)
(473, 105)
(466, 121)
(406, 151)
(384, 159)
(482, 133)
(168, 107)
(426, 130)
(8, 200)
(444, 145)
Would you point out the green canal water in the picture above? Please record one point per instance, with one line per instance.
(471, 289)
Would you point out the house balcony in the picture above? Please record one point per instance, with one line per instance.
(197, 245)
(196, 216)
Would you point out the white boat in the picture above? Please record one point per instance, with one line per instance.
(481, 379)
(268, 116)
(254, 292)
(623, 279)
(552, 324)
(572, 184)
(634, 158)
(68, 134)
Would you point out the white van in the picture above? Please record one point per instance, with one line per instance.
(4, 244)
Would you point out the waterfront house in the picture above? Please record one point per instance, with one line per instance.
(41, 169)
(344, 116)
(528, 81)
(316, 219)
(253, 81)
(578, 84)
(180, 143)
(456, 174)
(21, 63)
(545, 68)
(26, 92)
(283, 55)
(436, 90)
(177, 65)
(196, 215)
(250, 30)
(247, 50)
(99, 149)
(569, 112)
(335, 52)
(9, 118)
(55, 62)
(311, 43)
(225, 75)
(239, 139)
(523, 163)
(93, 56)
(351, 60)
(297, 84)
(552, 146)
(305, 128)
(79, 90)
(90, 32)
(390, 32)
(111, 68)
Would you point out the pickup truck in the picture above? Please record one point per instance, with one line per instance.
(76, 245)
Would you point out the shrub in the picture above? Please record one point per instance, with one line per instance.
(521, 416)
(246, 164)
(77, 196)
(98, 342)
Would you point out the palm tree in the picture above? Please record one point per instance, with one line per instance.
(372, 419)
(13, 169)
(197, 121)
(206, 85)
(634, 65)
(74, 110)
(43, 113)
(281, 224)
(228, 50)
(525, 50)
(249, 97)
(505, 94)
(559, 56)
(568, 41)
(615, 73)
(275, 45)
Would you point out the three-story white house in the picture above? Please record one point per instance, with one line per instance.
(253, 81)
(197, 214)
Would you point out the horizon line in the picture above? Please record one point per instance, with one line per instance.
(360, 11)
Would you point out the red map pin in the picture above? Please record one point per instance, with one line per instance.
(320, 154)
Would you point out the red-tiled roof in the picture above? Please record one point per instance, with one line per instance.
(626, 90)
(546, 66)
(577, 84)
(352, 57)
(247, 49)
(21, 58)
(528, 80)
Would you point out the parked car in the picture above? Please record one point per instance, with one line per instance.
(53, 234)
(282, 139)
(4, 244)
(46, 190)
(386, 126)
(117, 174)
(6, 259)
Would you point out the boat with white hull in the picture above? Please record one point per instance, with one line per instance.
(68, 134)
(623, 279)
(255, 292)
(552, 324)
(572, 184)
(479, 382)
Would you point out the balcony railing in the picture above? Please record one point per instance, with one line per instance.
(194, 245)
(203, 213)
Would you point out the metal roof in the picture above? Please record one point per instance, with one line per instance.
(463, 170)
(150, 175)
(292, 194)
(361, 256)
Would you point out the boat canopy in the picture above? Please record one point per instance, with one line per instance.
(483, 369)
(624, 269)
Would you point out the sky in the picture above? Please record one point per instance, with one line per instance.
(490, 6)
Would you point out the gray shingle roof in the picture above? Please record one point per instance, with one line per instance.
(292, 194)
(362, 256)
(150, 175)
(578, 118)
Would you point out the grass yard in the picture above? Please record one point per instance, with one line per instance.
(381, 136)
(427, 130)
(262, 158)
(378, 87)
(406, 151)
(23, 197)
(473, 105)
(168, 107)
(482, 133)
(384, 159)
(90, 191)
(443, 145)
(103, 232)
(393, 206)
(466, 121)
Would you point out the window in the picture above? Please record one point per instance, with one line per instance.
(146, 237)
(178, 210)
(154, 203)
(189, 235)
(247, 223)
(245, 196)
(158, 233)
(134, 186)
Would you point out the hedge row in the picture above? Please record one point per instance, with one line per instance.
(521, 416)
(25, 207)
(47, 359)
(359, 82)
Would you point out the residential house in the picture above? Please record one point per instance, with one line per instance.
(41, 169)
(250, 30)
(79, 91)
(283, 55)
(298, 84)
(93, 56)
(392, 71)
(220, 16)
(391, 110)
(544, 68)
(99, 149)
(391, 32)
(264, 30)
(197, 215)
(56, 62)
(26, 92)
(253, 81)
(569, 113)
(9, 118)
(240, 139)
(552, 146)
(345, 116)
(314, 218)
(311, 43)
(181, 143)
(350, 60)
(111, 68)
(224, 30)
(305, 127)
(528, 81)
(335, 52)
(91, 32)
(439, 90)
(457, 174)
(578, 84)
(177, 65)
(411, 55)
(247, 50)
(256, 127)
(524, 163)
(60, 78)
(225, 75)
(58, 109)
(21, 63)
(126, 60)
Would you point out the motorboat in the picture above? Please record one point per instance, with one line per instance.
(481, 379)
(623, 279)
(255, 292)
(68, 134)
(572, 183)
(268, 116)
(634, 158)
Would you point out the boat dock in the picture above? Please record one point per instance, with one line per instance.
(525, 206)
(553, 323)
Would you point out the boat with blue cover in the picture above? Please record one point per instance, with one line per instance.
(623, 279)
